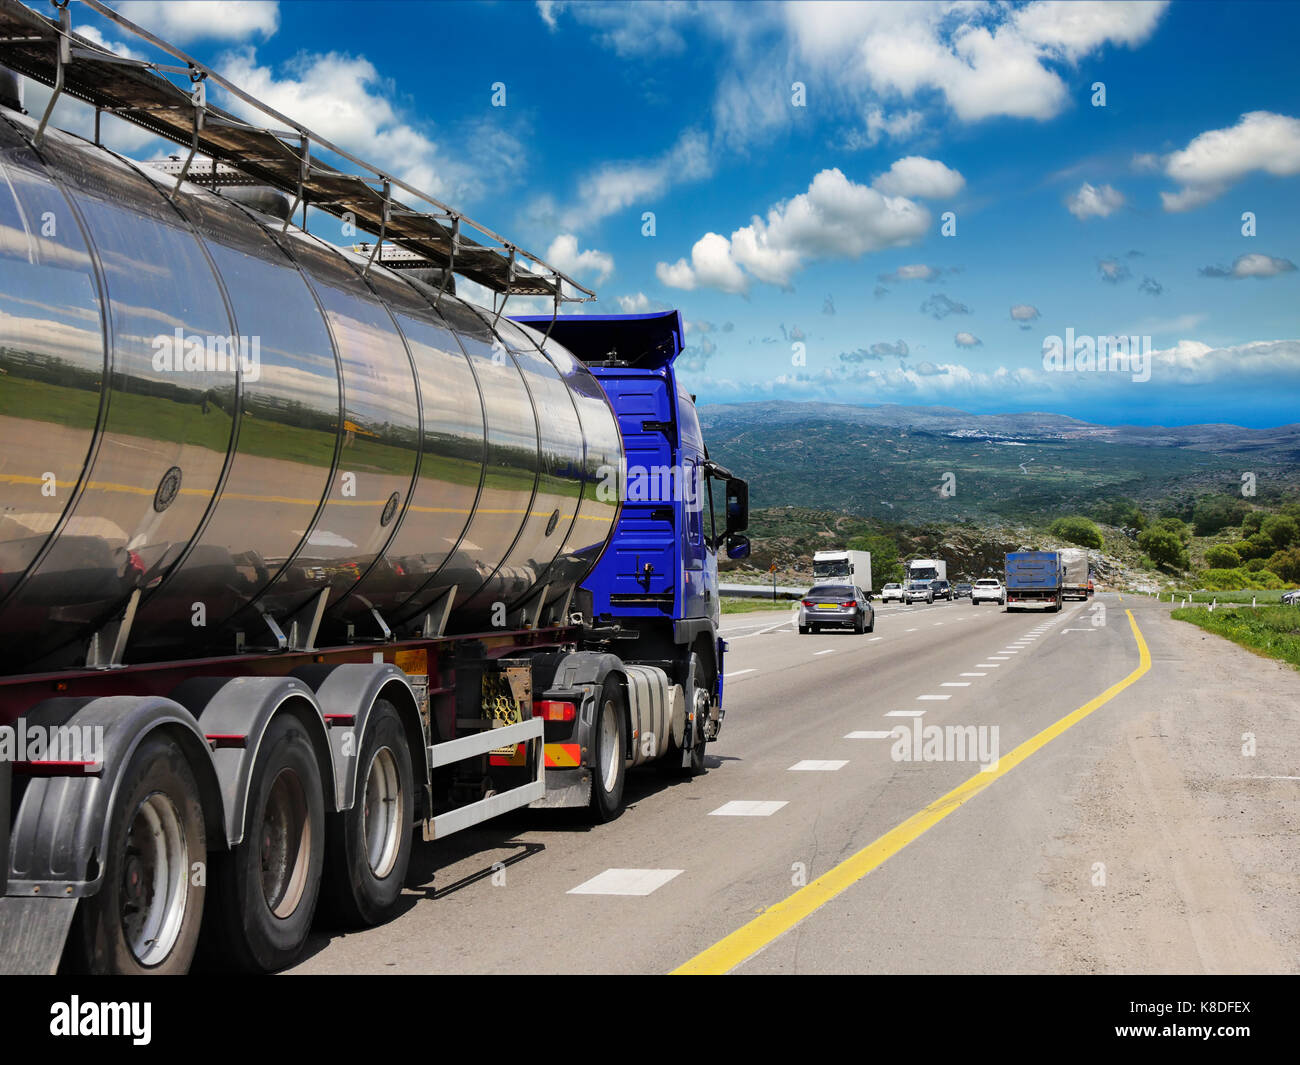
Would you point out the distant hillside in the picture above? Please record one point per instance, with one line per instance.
(890, 462)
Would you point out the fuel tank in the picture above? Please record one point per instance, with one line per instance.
(232, 417)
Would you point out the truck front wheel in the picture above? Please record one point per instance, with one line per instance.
(609, 753)
(368, 847)
(147, 913)
(264, 891)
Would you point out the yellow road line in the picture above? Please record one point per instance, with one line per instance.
(748, 940)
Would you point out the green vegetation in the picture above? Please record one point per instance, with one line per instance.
(745, 606)
(1164, 547)
(1273, 631)
(1077, 530)
(885, 566)
(1233, 595)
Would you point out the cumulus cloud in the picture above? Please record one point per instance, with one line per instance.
(1151, 286)
(835, 219)
(920, 178)
(1092, 201)
(1252, 264)
(564, 255)
(1214, 160)
(940, 306)
(214, 20)
(967, 340)
(984, 61)
(1024, 313)
(344, 98)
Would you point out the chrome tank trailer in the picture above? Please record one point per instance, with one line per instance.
(261, 436)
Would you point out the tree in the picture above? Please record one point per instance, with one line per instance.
(1282, 531)
(1164, 546)
(1217, 512)
(1077, 530)
(1122, 512)
(885, 566)
(1286, 564)
(1251, 522)
(1221, 556)
(1174, 525)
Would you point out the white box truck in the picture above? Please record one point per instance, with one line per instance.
(852, 566)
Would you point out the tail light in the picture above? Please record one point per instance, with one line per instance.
(554, 710)
(807, 602)
(850, 604)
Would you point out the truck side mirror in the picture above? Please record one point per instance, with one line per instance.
(737, 506)
(737, 546)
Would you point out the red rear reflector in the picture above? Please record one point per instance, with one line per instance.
(57, 769)
(554, 710)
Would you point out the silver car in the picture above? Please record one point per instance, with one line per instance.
(918, 592)
(838, 606)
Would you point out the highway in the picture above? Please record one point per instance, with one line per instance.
(1121, 829)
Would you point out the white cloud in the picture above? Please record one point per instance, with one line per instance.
(1092, 201)
(916, 176)
(835, 218)
(629, 29)
(222, 20)
(912, 272)
(640, 303)
(616, 186)
(711, 266)
(967, 340)
(344, 99)
(564, 255)
(899, 126)
(1252, 264)
(1261, 140)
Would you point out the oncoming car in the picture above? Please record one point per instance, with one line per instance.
(837, 605)
(942, 590)
(988, 589)
(918, 592)
(891, 591)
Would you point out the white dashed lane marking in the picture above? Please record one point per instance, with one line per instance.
(748, 808)
(626, 882)
(815, 765)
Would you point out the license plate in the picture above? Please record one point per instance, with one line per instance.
(828, 606)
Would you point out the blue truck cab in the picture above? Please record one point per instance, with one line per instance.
(658, 579)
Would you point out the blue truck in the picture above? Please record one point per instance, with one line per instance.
(1035, 580)
(404, 564)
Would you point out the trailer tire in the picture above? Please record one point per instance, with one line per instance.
(608, 753)
(159, 817)
(368, 848)
(264, 891)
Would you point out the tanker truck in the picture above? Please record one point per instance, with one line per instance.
(299, 552)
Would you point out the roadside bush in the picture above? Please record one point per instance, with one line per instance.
(1281, 530)
(1077, 530)
(1233, 579)
(1163, 545)
(1220, 556)
(1251, 522)
(1286, 564)
(1258, 546)
(1176, 526)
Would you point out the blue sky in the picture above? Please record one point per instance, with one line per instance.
(774, 206)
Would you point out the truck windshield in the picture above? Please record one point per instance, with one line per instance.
(825, 569)
(927, 574)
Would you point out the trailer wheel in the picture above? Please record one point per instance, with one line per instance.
(368, 847)
(146, 916)
(609, 753)
(265, 890)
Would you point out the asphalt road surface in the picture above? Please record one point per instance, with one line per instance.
(1122, 799)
